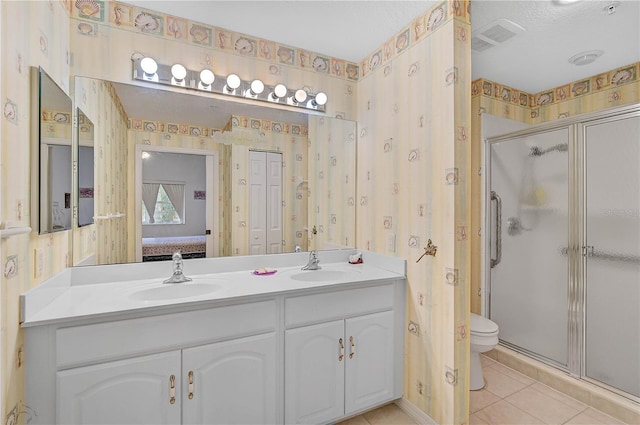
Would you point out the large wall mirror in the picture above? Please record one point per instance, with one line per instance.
(52, 155)
(212, 177)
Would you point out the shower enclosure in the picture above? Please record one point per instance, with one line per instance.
(563, 245)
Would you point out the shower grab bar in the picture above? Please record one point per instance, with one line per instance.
(495, 261)
(591, 252)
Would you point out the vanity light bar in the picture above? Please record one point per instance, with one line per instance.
(147, 69)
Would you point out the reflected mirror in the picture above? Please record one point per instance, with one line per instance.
(52, 210)
(268, 181)
(85, 169)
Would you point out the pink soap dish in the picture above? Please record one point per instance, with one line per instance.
(264, 272)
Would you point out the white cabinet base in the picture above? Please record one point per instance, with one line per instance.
(312, 356)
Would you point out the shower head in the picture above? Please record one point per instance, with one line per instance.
(536, 151)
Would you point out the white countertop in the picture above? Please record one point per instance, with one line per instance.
(62, 300)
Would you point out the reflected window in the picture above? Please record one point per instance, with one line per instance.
(163, 203)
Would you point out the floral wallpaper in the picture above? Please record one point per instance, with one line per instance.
(100, 103)
(56, 124)
(33, 34)
(414, 185)
(565, 100)
(91, 14)
(331, 188)
(620, 86)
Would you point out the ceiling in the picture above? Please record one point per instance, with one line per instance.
(532, 61)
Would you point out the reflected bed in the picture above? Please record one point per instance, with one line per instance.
(156, 249)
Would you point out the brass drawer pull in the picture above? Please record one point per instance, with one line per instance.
(190, 384)
(172, 389)
(341, 356)
(353, 348)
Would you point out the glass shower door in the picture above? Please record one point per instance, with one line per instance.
(528, 240)
(612, 277)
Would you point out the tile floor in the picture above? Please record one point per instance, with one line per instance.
(385, 415)
(508, 398)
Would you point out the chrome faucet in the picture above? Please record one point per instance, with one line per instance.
(177, 276)
(313, 262)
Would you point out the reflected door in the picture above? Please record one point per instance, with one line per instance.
(528, 236)
(612, 278)
(265, 203)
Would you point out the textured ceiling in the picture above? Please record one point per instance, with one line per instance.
(533, 61)
(538, 59)
(343, 29)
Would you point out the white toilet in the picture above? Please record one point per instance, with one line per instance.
(484, 337)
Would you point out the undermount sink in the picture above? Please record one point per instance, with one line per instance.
(173, 291)
(319, 275)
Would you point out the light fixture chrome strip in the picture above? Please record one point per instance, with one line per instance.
(147, 69)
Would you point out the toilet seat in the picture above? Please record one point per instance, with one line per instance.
(482, 326)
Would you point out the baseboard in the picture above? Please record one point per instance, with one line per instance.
(414, 412)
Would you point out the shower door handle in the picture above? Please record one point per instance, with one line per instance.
(495, 261)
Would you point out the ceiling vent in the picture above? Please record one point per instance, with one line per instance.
(494, 33)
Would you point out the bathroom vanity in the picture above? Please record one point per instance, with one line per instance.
(113, 344)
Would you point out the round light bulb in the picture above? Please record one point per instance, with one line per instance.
(257, 86)
(233, 81)
(300, 96)
(149, 66)
(178, 71)
(321, 99)
(280, 90)
(207, 77)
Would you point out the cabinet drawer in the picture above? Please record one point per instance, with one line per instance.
(104, 341)
(309, 309)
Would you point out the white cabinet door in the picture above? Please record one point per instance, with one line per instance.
(230, 382)
(314, 373)
(274, 203)
(132, 391)
(370, 363)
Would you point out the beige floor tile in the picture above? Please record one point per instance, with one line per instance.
(501, 384)
(513, 374)
(557, 395)
(480, 399)
(541, 406)
(358, 420)
(504, 413)
(388, 415)
(475, 420)
(592, 417)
